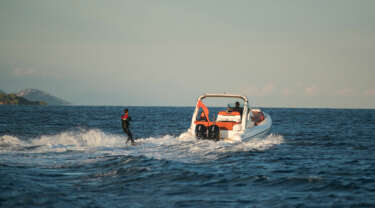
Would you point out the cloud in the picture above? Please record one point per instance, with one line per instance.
(40, 72)
(346, 92)
(312, 90)
(268, 89)
(265, 90)
(23, 71)
(369, 92)
(287, 92)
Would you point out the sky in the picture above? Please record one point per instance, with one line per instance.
(292, 53)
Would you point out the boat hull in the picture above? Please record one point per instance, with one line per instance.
(259, 131)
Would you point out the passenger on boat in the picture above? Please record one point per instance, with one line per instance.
(202, 117)
(258, 117)
(229, 109)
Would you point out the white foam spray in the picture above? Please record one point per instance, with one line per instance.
(184, 148)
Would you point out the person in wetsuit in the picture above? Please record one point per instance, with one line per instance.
(125, 118)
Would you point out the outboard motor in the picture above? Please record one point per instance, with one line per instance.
(201, 131)
(214, 132)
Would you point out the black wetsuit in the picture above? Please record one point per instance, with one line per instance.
(125, 126)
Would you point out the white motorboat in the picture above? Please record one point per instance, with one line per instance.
(228, 123)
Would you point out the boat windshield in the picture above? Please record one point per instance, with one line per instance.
(217, 108)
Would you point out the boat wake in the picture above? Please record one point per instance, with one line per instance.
(184, 148)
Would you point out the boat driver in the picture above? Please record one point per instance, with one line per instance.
(238, 108)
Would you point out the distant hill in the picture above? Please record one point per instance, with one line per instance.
(2, 92)
(13, 99)
(38, 95)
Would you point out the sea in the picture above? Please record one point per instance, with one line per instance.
(77, 156)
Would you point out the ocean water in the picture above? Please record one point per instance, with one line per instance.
(76, 156)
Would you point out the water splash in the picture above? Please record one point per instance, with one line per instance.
(184, 148)
(10, 142)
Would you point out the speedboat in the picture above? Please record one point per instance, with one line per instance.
(218, 123)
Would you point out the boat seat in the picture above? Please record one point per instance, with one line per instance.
(229, 116)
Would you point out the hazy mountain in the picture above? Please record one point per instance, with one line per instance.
(2, 92)
(38, 95)
(13, 99)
